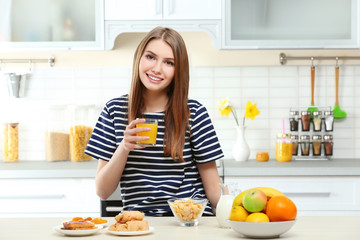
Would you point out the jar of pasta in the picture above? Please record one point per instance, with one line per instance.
(57, 134)
(11, 142)
(81, 128)
(283, 147)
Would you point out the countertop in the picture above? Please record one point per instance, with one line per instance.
(327, 228)
(87, 169)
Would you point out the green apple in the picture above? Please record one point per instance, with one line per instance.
(254, 200)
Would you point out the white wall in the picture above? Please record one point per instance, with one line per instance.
(274, 88)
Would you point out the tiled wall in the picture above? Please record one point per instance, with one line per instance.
(274, 89)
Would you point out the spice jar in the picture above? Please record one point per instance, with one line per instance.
(295, 144)
(317, 121)
(283, 147)
(11, 142)
(316, 145)
(305, 121)
(294, 121)
(262, 156)
(80, 131)
(329, 121)
(328, 145)
(305, 145)
(57, 134)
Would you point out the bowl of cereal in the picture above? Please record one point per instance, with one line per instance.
(187, 211)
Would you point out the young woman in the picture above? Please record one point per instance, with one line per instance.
(182, 163)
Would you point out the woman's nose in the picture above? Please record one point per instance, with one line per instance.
(157, 68)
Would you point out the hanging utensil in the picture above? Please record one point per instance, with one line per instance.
(312, 109)
(338, 113)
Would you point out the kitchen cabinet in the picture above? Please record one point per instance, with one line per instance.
(60, 25)
(162, 9)
(48, 197)
(313, 195)
(143, 15)
(270, 24)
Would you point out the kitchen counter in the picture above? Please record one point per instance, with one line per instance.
(329, 228)
(68, 169)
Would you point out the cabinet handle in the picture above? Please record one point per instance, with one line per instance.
(114, 209)
(158, 7)
(309, 194)
(34, 196)
(170, 7)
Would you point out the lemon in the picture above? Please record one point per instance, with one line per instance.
(257, 217)
(238, 213)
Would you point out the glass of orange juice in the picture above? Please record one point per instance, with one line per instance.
(153, 125)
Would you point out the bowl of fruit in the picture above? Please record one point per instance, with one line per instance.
(262, 212)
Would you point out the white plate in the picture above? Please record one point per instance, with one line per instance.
(123, 233)
(77, 232)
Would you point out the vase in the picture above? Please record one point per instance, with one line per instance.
(241, 150)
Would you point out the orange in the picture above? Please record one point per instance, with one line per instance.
(281, 208)
(257, 217)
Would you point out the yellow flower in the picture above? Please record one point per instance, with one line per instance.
(251, 111)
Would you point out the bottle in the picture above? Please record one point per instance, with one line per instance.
(328, 145)
(11, 142)
(329, 121)
(305, 145)
(295, 144)
(305, 121)
(294, 121)
(224, 206)
(317, 121)
(316, 143)
(283, 147)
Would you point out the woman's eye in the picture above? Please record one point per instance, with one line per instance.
(169, 63)
(149, 57)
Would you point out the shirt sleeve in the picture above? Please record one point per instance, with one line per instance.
(102, 143)
(204, 142)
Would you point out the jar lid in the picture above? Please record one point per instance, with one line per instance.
(282, 135)
(305, 137)
(294, 113)
(305, 113)
(328, 137)
(294, 137)
(11, 123)
(328, 113)
(317, 113)
(316, 137)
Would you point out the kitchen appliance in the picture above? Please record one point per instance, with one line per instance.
(15, 84)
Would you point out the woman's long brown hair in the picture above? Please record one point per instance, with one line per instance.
(177, 111)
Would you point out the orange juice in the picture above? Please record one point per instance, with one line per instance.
(283, 147)
(153, 125)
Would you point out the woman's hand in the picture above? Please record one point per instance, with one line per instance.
(130, 138)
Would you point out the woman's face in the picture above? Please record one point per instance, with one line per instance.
(157, 66)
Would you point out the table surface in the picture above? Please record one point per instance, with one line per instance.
(306, 227)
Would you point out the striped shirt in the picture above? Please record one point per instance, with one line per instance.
(150, 178)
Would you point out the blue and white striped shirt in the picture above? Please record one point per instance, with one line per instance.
(150, 178)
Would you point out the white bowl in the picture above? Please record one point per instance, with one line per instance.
(261, 229)
(181, 209)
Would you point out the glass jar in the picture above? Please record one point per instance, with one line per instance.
(283, 147)
(81, 128)
(317, 120)
(305, 145)
(316, 145)
(262, 156)
(329, 121)
(305, 121)
(328, 145)
(57, 134)
(295, 144)
(294, 121)
(11, 142)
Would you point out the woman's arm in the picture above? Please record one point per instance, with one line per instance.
(210, 178)
(108, 174)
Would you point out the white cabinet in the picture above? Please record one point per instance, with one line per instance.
(162, 9)
(143, 15)
(48, 197)
(313, 196)
(277, 24)
(51, 25)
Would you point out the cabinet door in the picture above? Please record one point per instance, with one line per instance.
(133, 10)
(189, 9)
(291, 24)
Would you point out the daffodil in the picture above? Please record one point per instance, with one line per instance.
(250, 110)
